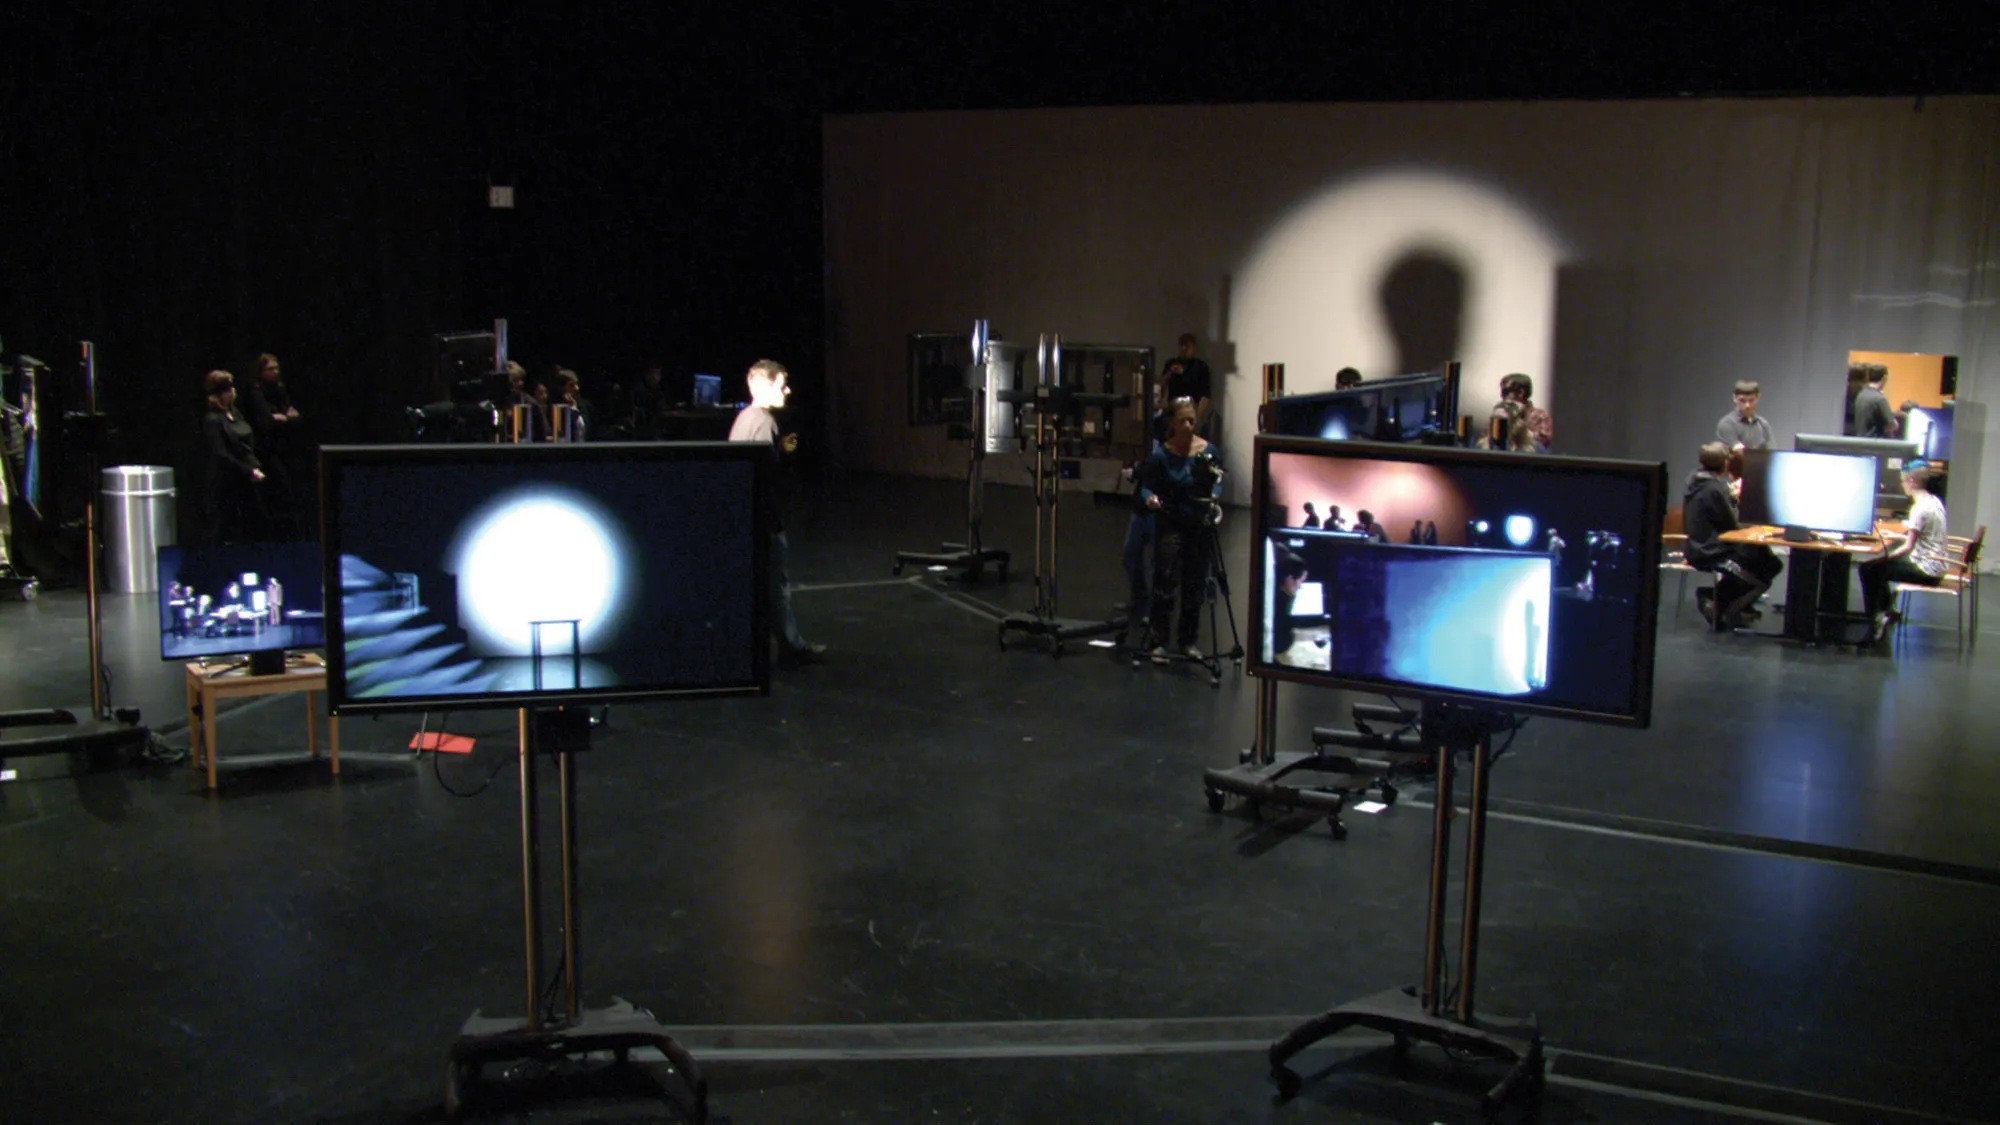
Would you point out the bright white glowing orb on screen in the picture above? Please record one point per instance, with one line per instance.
(1482, 527)
(539, 555)
(1520, 530)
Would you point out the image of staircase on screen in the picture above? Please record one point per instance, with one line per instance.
(509, 575)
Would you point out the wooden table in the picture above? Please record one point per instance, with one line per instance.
(210, 684)
(1816, 575)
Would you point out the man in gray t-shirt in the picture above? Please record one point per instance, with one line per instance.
(757, 422)
(1742, 428)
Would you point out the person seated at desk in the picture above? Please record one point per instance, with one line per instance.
(1743, 570)
(1922, 557)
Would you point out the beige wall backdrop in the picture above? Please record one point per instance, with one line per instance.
(1635, 258)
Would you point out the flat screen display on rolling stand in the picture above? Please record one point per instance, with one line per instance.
(1536, 595)
(1056, 413)
(984, 369)
(540, 578)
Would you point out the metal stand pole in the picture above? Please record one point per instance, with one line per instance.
(1440, 875)
(531, 883)
(99, 706)
(572, 964)
(1475, 867)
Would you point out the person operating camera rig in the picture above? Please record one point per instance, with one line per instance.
(1180, 483)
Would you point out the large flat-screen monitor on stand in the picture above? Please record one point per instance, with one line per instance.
(1515, 581)
(1416, 407)
(525, 576)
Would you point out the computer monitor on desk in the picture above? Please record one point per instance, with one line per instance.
(1889, 454)
(1816, 491)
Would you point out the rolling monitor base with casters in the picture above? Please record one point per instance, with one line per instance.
(1431, 1012)
(1374, 761)
(567, 1031)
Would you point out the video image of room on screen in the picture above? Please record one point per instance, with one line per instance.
(240, 598)
(1496, 580)
(513, 579)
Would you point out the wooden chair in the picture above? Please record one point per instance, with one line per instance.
(1673, 555)
(1960, 582)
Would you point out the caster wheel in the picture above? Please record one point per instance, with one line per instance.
(1388, 794)
(1338, 829)
(1214, 799)
(1287, 1082)
(1215, 681)
(896, 571)
(1244, 756)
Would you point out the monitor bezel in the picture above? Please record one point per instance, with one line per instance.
(336, 459)
(1651, 475)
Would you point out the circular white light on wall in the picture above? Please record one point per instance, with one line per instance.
(1482, 527)
(1520, 530)
(539, 555)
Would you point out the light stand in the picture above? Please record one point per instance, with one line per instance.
(970, 557)
(55, 730)
(547, 1036)
(1051, 400)
(1428, 1012)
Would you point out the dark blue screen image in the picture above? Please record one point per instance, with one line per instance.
(508, 578)
(238, 599)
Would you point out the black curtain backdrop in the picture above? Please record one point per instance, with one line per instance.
(189, 186)
(312, 181)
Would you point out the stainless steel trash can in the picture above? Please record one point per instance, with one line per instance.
(138, 516)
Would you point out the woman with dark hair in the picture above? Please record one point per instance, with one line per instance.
(235, 478)
(1179, 484)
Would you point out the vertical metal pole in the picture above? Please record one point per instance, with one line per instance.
(1041, 382)
(1475, 855)
(1055, 479)
(1440, 867)
(99, 706)
(531, 890)
(566, 782)
(1265, 750)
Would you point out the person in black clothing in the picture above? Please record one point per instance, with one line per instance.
(1346, 377)
(235, 478)
(1179, 484)
(1312, 517)
(1364, 523)
(1873, 417)
(1188, 377)
(267, 405)
(1743, 570)
(649, 405)
(1290, 575)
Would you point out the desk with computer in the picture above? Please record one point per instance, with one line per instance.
(1822, 503)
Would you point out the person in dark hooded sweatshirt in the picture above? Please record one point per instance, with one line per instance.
(1743, 570)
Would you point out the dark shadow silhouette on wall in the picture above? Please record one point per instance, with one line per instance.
(1423, 301)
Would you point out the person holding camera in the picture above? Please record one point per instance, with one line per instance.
(1179, 483)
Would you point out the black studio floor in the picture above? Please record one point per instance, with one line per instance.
(935, 881)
